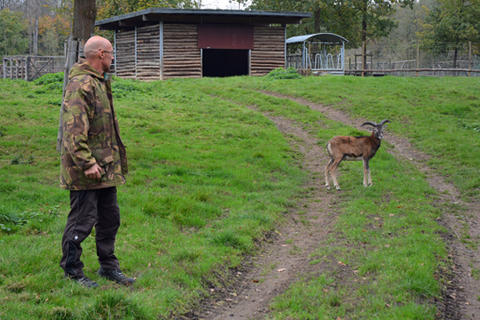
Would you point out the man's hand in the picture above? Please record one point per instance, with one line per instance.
(94, 172)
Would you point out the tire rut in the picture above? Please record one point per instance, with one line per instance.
(286, 259)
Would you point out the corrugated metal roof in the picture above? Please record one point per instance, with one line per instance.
(157, 14)
(320, 36)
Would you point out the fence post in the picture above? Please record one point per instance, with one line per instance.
(418, 59)
(469, 57)
(364, 58)
(27, 61)
(72, 53)
(4, 68)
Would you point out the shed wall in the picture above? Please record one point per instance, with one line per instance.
(268, 50)
(181, 56)
(125, 64)
(138, 52)
(148, 52)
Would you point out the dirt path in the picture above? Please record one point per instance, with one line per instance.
(461, 294)
(286, 259)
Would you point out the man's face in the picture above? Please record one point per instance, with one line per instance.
(106, 55)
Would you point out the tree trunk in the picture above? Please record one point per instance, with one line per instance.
(84, 14)
(364, 38)
(316, 20)
(35, 38)
(455, 54)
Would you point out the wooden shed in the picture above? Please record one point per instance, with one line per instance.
(159, 43)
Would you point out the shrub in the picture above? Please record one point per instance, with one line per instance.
(282, 73)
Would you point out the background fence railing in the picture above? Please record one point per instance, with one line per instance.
(30, 67)
(414, 60)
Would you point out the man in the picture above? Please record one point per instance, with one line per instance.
(93, 163)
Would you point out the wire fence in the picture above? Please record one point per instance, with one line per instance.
(414, 60)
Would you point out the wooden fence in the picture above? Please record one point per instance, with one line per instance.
(30, 67)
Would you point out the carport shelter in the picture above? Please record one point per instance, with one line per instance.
(159, 43)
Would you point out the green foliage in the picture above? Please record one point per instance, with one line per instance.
(350, 19)
(282, 73)
(50, 78)
(13, 33)
(450, 24)
(113, 305)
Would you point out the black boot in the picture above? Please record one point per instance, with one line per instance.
(116, 275)
(83, 281)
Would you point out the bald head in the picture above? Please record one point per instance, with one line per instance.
(94, 44)
(99, 53)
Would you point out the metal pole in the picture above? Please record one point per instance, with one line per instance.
(161, 49)
(249, 62)
(115, 51)
(285, 44)
(135, 52)
(303, 56)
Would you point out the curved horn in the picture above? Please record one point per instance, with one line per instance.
(369, 123)
(383, 122)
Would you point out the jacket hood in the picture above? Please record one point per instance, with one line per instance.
(80, 69)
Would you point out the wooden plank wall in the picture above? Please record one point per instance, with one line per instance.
(268, 50)
(125, 54)
(148, 52)
(181, 56)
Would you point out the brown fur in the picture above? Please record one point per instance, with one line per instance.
(350, 148)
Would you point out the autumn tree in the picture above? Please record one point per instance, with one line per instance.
(53, 30)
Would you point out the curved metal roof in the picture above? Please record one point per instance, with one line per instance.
(332, 37)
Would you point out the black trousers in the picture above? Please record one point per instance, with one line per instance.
(91, 208)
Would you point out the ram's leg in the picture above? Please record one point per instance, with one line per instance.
(367, 180)
(327, 170)
(333, 172)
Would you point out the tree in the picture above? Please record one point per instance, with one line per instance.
(375, 19)
(450, 24)
(357, 20)
(84, 14)
(109, 8)
(53, 31)
(13, 33)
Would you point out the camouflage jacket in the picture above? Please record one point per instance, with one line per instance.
(90, 132)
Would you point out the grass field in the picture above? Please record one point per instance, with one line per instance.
(209, 178)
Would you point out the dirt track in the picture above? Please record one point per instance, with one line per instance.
(286, 259)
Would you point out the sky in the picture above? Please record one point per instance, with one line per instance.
(221, 4)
